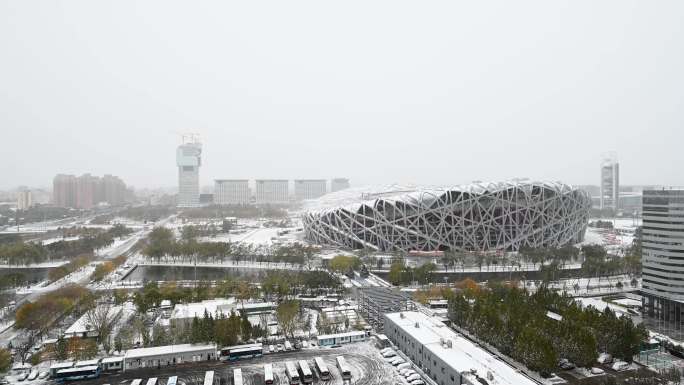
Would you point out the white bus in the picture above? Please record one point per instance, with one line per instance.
(307, 376)
(322, 369)
(172, 380)
(344, 368)
(268, 374)
(137, 381)
(237, 376)
(292, 373)
(209, 377)
(152, 381)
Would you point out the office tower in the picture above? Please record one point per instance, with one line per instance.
(275, 191)
(337, 184)
(663, 260)
(189, 160)
(64, 190)
(309, 188)
(610, 182)
(24, 199)
(231, 191)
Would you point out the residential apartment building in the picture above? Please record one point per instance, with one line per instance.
(272, 191)
(87, 191)
(231, 191)
(24, 199)
(64, 190)
(309, 188)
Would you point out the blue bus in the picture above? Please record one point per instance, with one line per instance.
(240, 352)
(79, 373)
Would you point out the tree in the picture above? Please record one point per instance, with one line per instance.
(159, 336)
(62, 349)
(287, 313)
(395, 273)
(535, 351)
(245, 328)
(100, 317)
(5, 360)
(120, 296)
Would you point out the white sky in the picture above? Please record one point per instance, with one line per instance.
(378, 91)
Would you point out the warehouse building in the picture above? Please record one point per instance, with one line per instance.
(447, 357)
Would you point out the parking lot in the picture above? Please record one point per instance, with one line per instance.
(366, 365)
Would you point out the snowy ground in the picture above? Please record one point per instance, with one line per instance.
(78, 276)
(259, 236)
(42, 265)
(57, 239)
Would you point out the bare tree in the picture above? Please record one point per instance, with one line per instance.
(100, 318)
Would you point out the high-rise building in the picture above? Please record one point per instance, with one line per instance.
(189, 160)
(24, 199)
(663, 260)
(64, 190)
(87, 191)
(275, 191)
(610, 182)
(231, 191)
(309, 188)
(337, 184)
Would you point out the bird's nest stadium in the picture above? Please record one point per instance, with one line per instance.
(501, 216)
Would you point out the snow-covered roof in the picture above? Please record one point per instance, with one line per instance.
(353, 197)
(62, 365)
(463, 355)
(87, 363)
(168, 349)
(110, 360)
(255, 305)
(83, 326)
(211, 306)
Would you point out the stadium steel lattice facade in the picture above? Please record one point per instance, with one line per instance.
(476, 217)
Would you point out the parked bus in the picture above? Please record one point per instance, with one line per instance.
(268, 374)
(344, 368)
(292, 373)
(237, 376)
(152, 381)
(209, 377)
(80, 373)
(137, 381)
(240, 352)
(322, 368)
(171, 381)
(307, 376)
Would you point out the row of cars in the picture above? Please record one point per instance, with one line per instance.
(405, 368)
(32, 375)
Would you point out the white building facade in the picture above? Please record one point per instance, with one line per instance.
(610, 182)
(309, 188)
(188, 160)
(272, 191)
(24, 199)
(231, 191)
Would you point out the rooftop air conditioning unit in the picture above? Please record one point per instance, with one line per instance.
(417, 325)
(449, 344)
(401, 315)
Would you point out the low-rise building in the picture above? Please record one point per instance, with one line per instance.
(447, 357)
(184, 313)
(112, 364)
(168, 355)
(83, 328)
(341, 338)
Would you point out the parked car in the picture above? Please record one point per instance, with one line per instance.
(22, 376)
(405, 365)
(385, 350)
(305, 344)
(43, 375)
(279, 348)
(604, 358)
(597, 371)
(409, 372)
(619, 366)
(413, 377)
(397, 361)
(417, 382)
(565, 364)
(389, 354)
(33, 375)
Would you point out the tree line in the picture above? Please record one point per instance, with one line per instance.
(519, 325)
(26, 253)
(236, 210)
(161, 245)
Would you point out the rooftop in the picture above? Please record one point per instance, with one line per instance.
(212, 306)
(464, 355)
(168, 349)
(341, 335)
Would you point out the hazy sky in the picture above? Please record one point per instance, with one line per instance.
(425, 92)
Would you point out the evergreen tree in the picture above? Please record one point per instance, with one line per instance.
(245, 328)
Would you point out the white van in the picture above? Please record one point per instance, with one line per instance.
(619, 366)
(405, 365)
